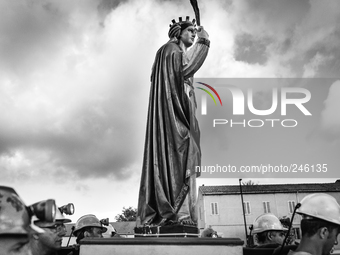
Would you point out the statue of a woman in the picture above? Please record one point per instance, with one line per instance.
(172, 146)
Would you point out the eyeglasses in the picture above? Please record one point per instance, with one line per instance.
(57, 227)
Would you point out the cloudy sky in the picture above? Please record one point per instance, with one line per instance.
(74, 84)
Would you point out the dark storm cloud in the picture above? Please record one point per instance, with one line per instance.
(32, 30)
(105, 7)
(74, 75)
(300, 35)
(90, 144)
(73, 98)
(110, 4)
(250, 50)
(330, 117)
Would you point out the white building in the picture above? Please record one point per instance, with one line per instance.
(221, 206)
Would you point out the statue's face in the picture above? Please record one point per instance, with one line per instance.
(188, 36)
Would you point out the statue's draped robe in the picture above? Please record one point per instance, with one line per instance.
(172, 136)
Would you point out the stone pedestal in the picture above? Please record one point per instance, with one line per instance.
(165, 246)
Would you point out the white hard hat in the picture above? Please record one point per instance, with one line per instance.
(109, 231)
(88, 220)
(266, 222)
(59, 218)
(321, 206)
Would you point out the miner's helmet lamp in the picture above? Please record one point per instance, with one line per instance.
(105, 221)
(320, 206)
(59, 217)
(16, 217)
(88, 220)
(67, 209)
(44, 210)
(266, 222)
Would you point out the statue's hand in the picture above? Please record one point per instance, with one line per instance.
(201, 33)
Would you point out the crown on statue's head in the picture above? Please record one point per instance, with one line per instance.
(180, 21)
(177, 27)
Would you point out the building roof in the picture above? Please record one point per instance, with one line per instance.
(270, 188)
(124, 227)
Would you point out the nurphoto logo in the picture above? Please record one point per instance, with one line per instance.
(204, 101)
(243, 104)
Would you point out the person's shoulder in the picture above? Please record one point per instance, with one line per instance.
(291, 252)
(298, 253)
(170, 47)
(269, 245)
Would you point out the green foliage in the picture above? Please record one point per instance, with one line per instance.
(248, 183)
(285, 221)
(128, 214)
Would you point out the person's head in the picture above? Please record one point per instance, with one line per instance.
(271, 237)
(110, 232)
(323, 232)
(320, 224)
(51, 240)
(15, 224)
(89, 232)
(209, 232)
(184, 31)
(268, 229)
(88, 226)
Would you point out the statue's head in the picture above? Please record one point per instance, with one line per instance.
(183, 30)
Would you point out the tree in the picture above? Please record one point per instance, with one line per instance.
(128, 214)
(249, 183)
(285, 221)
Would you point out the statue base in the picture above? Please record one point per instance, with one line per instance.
(169, 246)
(175, 230)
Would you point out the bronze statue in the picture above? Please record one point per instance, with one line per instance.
(172, 147)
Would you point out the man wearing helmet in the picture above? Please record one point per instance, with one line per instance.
(88, 226)
(110, 232)
(172, 150)
(49, 242)
(269, 231)
(320, 225)
(15, 224)
(209, 232)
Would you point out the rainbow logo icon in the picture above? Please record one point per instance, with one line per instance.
(209, 92)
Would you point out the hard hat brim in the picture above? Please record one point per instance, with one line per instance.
(15, 231)
(320, 206)
(64, 221)
(104, 229)
(319, 217)
(36, 229)
(274, 229)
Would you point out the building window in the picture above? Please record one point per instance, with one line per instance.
(291, 206)
(214, 208)
(246, 207)
(297, 233)
(266, 207)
